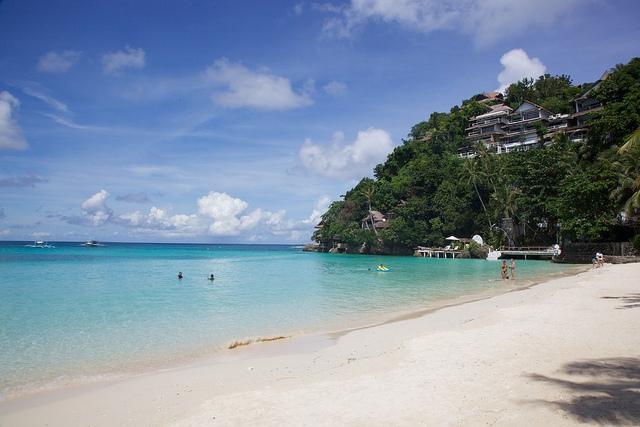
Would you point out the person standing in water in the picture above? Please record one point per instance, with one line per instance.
(513, 269)
(180, 276)
(211, 277)
(503, 270)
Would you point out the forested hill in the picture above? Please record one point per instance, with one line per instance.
(567, 189)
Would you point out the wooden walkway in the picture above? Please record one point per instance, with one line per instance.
(529, 251)
(438, 252)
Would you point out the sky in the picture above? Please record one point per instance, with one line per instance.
(239, 121)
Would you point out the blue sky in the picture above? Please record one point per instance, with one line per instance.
(238, 121)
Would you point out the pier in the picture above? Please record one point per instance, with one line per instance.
(528, 251)
(438, 252)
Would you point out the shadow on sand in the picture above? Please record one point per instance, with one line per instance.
(608, 393)
(628, 301)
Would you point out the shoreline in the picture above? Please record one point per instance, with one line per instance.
(532, 331)
(236, 347)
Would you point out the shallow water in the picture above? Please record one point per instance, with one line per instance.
(73, 311)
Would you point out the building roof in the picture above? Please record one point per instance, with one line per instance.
(532, 103)
(496, 110)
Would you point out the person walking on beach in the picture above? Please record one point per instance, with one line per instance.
(513, 269)
(503, 270)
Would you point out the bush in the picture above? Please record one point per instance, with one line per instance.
(636, 242)
(477, 251)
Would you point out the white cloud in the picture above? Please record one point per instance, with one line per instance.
(517, 65)
(218, 214)
(40, 234)
(95, 209)
(4, 232)
(246, 88)
(321, 207)
(118, 61)
(58, 62)
(340, 160)
(486, 21)
(11, 137)
(47, 99)
(335, 88)
(226, 213)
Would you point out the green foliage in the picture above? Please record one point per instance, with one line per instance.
(551, 92)
(636, 242)
(562, 190)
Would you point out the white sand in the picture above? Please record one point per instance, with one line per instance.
(561, 353)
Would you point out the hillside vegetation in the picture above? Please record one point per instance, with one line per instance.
(578, 191)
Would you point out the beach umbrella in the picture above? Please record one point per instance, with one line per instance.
(452, 238)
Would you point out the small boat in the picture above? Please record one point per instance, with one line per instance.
(382, 268)
(92, 243)
(40, 244)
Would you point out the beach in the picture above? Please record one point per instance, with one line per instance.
(563, 352)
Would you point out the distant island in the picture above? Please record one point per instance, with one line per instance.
(547, 162)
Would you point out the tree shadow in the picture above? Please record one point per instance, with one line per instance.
(609, 395)
(629, 301)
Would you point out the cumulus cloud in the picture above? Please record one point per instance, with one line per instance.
(347, 160)
(58, 62)
(95, 210)
(40, 234)
(11, 137)
(217, 214)
(28, 180)
(229, 216)
(251, 89)
(335, 88)
(118, 61)
(321, 207)
(133, 198)
(47, 99)
(517, 65)
(4, 232)
(486, 21)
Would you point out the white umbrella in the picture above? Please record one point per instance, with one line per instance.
(452, 238)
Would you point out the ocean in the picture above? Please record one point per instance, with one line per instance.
(74, 313)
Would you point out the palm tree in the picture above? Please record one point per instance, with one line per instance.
(628, 191)
(473, 177)
(632, 143)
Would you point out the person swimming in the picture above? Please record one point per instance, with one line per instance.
(180, 276)
(212, 278)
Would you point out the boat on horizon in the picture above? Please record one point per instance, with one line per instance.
(40, 244)
(92, 243)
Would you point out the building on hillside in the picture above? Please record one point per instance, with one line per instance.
(378, 219)
(503, 130)
(585, 106)
(490, 127)
(522, 131)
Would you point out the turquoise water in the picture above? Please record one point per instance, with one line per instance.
(74, 311)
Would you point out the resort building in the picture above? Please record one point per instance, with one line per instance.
(489, 128)
(376, 220)
(523, 127)
(503, 130)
